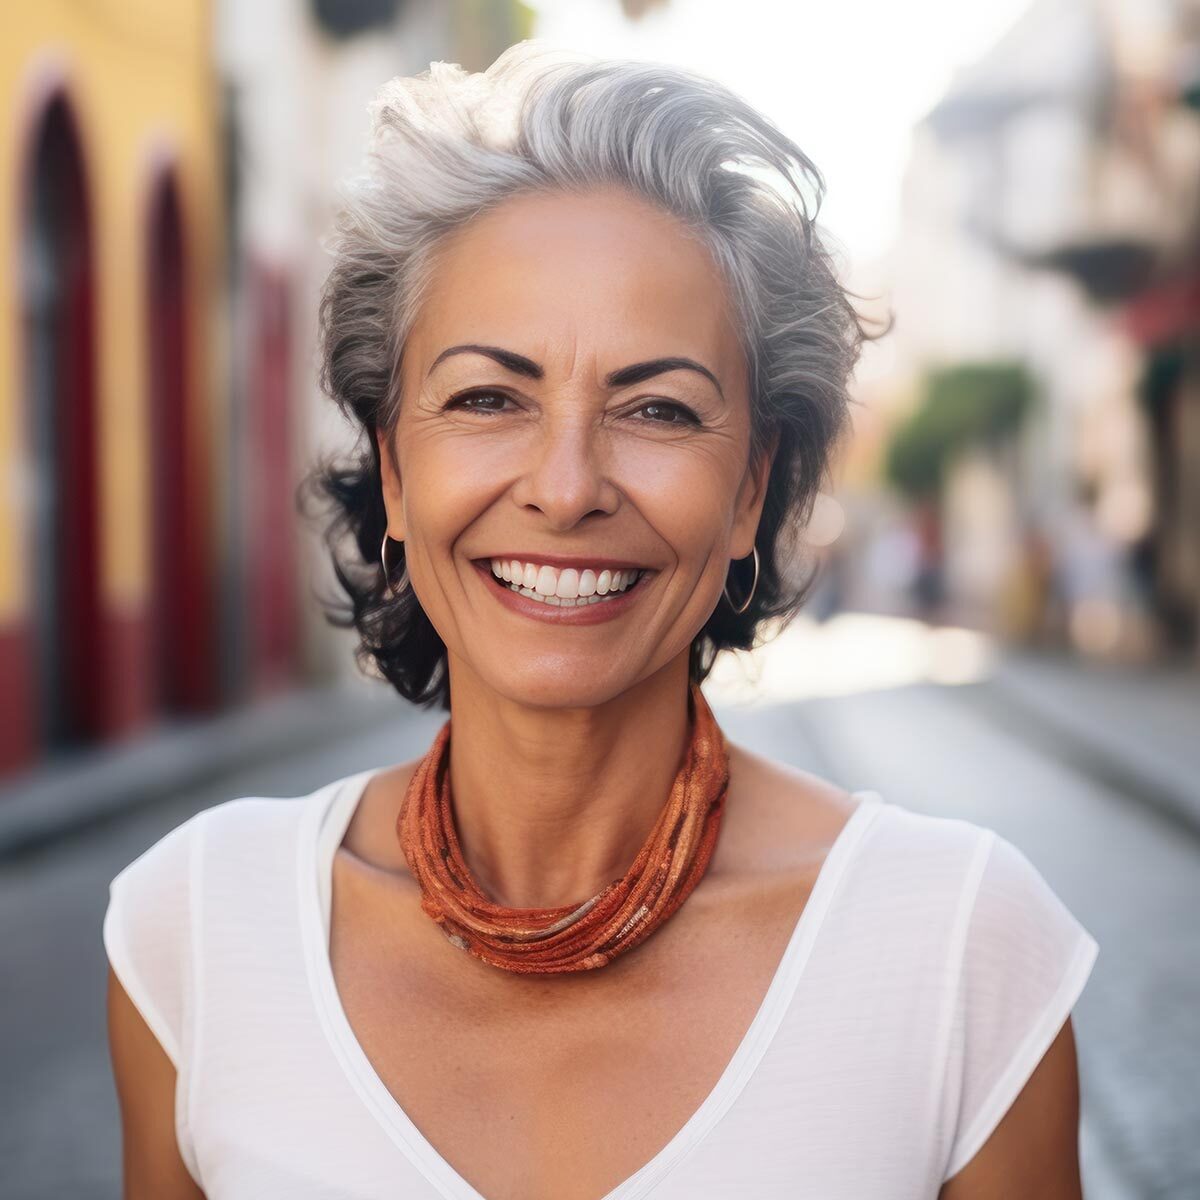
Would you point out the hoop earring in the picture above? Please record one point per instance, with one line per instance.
(745, 603)
(387, 571)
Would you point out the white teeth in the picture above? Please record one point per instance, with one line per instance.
(565, 588)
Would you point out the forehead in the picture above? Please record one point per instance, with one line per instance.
(600, 273)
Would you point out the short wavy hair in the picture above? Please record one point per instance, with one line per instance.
(447, 146)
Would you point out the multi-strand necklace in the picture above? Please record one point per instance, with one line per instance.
(573, 937)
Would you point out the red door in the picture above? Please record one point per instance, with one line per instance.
(59, 383)
(182, 609)
(270, 486)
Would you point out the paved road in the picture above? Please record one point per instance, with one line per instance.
(1129, 875)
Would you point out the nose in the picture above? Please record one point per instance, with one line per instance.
(568, 476)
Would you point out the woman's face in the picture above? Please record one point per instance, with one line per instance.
(558, 450)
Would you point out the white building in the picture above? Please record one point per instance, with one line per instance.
(298, 75)
(1030, 206)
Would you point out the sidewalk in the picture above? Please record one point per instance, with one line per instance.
(70, 793)
(1138, 726)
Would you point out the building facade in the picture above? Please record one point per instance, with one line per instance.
(169, 172)
(110, 409)
(1052, 219)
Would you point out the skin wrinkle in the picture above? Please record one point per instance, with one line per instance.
(592, 1075)
(670, 138)
(576, 936)
(553, 722)
(538, 121)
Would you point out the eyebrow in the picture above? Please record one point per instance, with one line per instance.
(622, 377)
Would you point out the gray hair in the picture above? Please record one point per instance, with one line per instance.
(448, 146)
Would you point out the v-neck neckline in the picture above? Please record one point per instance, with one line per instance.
(326, 824)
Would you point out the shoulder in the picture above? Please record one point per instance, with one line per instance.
(155, 901)
(162, 869)
(1021, 937)
(147, 929)
(787, 810)
(998, 899)
(166, 862)
(777, 817)
(1023, 959)
(258, 822)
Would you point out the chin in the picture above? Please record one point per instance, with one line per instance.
(560, 686)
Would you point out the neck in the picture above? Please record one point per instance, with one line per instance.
(553, 804)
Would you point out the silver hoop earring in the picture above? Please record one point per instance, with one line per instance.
(750, 596)
(387, 571)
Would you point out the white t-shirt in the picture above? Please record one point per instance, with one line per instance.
(928, 973)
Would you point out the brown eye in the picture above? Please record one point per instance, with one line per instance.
(663, 412)
(476, 401)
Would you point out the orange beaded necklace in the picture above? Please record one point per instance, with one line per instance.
(572, 937)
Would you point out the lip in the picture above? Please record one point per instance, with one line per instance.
(587, 614)
(563, 561)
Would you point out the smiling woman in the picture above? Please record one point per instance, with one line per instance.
(584, 947)
(646, 242)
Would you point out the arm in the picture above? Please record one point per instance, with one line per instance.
(1033, 1154)
(145, 1081)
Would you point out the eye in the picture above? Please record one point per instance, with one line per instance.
(667, 412)
(475, 401)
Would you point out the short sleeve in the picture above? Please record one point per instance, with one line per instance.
(1025, 960)
(147, 933)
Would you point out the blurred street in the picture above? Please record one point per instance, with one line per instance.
(988, 748)
(1005, 623)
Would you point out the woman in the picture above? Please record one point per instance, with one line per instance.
(585, 948)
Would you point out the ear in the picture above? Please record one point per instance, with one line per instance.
(751, 497)
(393, 490)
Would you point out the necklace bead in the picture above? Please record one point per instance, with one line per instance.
(573, 937)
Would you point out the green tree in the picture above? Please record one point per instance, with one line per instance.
(961, 405)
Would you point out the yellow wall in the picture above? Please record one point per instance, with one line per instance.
(139, 74)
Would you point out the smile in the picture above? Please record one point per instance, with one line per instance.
(561, 595)
(564, 587)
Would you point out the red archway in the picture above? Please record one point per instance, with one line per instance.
(59, 383)
(181, 615)
(274, 623)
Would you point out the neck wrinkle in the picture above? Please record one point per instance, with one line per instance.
(551, 806)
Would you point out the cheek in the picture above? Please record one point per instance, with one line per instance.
(686, 491)
(447, 483)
